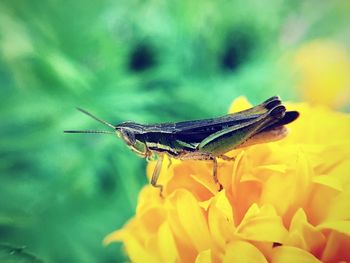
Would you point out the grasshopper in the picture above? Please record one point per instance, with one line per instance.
(206, 139)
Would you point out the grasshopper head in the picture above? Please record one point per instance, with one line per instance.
(126, 131)
(128, 136)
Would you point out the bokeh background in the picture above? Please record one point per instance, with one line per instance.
(147, 61)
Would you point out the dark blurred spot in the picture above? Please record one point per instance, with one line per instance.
(236, 50)
(19, 165)
(107, 182)
(142, 57)
(276, 244)
(7, 229)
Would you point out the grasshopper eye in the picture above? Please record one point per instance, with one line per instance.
(128, 137)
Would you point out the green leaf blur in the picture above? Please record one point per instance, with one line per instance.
(146, 61)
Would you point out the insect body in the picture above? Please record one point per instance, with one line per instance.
(206, 139)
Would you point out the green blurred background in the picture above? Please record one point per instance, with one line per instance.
(147, 61)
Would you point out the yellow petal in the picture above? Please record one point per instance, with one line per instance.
(304, 235)
(132, 228)
(286, 254)
(239, 104)
(206, 181)
(317, 208)
(294, 186)
(278, 185)
(335, 161)
(244, 192)
(342, 226)
(341, 168)
(149, 197)
(166, 244)
(203, 174)
(151, 218)
(204, 257)
(185, 246)
(337, 248)
(191, 217)
(339, 208)
(265, 248)
(329, 181)
(220, 220)
(239, 164)
(137, 252)
(241, 251)
(115, 236)
(262, 224)
(279, 168)
(205, 204)
(223, 204)
(185, 176)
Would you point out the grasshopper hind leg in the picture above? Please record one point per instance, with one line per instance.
(156, 173)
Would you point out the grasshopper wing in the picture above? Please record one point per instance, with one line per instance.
(230, 138)
(188, 127)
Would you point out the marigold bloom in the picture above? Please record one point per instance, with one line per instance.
(285, 201)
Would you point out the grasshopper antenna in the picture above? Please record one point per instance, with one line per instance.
(96, 132)
(97, 119)
(93, 131)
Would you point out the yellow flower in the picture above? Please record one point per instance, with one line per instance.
(285, 201)
(323, 68)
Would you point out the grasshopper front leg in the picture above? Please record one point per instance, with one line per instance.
(156, 173)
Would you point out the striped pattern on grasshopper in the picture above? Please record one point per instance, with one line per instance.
(206, 139)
